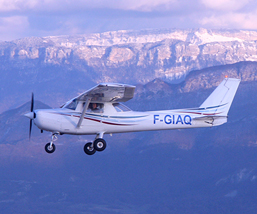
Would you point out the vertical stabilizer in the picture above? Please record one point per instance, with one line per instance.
(221, 98)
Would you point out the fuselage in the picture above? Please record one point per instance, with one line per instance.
(115, 120)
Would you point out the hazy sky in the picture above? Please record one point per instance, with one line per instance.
(23, 18)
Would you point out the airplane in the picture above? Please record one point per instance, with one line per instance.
(100, 111)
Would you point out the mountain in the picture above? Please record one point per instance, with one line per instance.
(167, 54)
(208, 170)
(72, 64)
(136, 56)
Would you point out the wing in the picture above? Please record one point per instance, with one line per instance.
(107, 92)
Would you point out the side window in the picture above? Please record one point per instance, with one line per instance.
(95, 107)
(120, 107)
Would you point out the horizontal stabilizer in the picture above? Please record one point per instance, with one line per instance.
(213, 120)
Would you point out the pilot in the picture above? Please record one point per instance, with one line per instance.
(95, 107)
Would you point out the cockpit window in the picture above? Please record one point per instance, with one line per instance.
(71, 105)
(120, 107)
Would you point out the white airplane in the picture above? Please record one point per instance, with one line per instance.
(98, 111)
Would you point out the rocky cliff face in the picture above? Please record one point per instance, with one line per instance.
(207, 78)
(139, 56)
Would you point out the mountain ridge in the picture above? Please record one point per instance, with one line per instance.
(140, 56)
(203, 79)
(54, 86)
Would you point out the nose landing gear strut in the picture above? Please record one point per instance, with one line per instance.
(50, 147)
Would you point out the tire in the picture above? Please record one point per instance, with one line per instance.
(48, 149)
(88, 149)
(99, 144)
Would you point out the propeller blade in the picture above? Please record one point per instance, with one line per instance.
(30, 128)
(32, 103)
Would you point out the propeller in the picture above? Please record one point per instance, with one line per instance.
(31, 115)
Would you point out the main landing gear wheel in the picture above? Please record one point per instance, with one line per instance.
(89, 149)
(50, 149)
(99, 144)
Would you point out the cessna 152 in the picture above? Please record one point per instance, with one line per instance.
(98, 111)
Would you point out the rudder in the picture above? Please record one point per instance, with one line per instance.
(221, 98)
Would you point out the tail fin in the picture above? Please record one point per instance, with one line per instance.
(220, 100)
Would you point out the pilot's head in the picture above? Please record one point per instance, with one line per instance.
(94, 106)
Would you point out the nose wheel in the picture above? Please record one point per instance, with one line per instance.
(50, 147)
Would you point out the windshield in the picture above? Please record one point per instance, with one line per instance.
(120, 107)
(71, 105)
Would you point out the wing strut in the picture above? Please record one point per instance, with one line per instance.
(83, 112)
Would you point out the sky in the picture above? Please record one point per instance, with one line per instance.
(27, 18)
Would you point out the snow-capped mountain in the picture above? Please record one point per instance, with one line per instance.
(133, 56)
